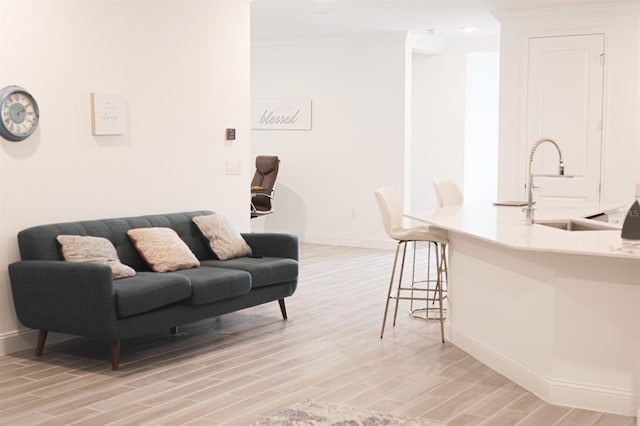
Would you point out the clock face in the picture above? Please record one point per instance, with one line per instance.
(19, 113)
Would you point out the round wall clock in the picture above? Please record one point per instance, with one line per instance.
(20, 113)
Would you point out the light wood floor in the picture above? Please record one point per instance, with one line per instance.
(234, 369)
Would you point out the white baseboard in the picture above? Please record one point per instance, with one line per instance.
(559, 392)
(385, 244)
(21, 340)
(587, 396)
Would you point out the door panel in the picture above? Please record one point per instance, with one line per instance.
(565, 88)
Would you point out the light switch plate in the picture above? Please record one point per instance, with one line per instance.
(233, 167)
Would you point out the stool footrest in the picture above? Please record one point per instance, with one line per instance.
(423, 313)
(430, 292)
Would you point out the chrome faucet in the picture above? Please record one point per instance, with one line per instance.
(530, 209)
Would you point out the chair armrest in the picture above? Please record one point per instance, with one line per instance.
(68, 297)
(261, 194)
(273, 244)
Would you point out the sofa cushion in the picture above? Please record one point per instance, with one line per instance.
(264, 270)
(148, 291)
(224, 239)
(86, 249)
(162, 249)
(213, 284)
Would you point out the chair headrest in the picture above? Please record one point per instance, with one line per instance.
(266, 164)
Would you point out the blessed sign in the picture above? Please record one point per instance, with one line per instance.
(281, 114)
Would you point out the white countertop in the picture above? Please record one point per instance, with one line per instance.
(506, 226)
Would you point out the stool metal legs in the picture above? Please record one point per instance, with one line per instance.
(393, 273)
(431, 295)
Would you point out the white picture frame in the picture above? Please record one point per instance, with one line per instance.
(108, 114)
(281, 114)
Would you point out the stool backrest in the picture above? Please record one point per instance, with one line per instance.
(448, 193)
(390, 209)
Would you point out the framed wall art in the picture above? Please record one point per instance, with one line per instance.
(108, 114)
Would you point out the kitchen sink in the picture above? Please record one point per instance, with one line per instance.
(578, 225)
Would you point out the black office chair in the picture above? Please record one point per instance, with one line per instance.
(263, 184)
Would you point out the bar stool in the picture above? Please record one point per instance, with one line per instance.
(448, 193)
(431, 291)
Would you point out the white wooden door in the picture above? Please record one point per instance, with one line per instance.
(565, 97)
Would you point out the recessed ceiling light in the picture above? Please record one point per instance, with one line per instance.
(468, 28)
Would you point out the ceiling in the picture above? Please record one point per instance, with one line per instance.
(287, 19)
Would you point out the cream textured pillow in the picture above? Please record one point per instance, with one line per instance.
(162, 249)
(224, 239)
(85, 249)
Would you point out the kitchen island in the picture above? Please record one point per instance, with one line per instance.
(556, 311)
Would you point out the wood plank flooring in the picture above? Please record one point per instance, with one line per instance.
(237, 368)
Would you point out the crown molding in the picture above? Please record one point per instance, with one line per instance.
(360, 36)
(611, 9)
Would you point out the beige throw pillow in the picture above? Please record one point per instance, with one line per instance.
(162, 249)
(224, 239)
(85, 249)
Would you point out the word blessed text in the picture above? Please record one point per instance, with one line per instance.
(271, 117)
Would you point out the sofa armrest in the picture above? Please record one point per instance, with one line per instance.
(273, 244)
(68, 297)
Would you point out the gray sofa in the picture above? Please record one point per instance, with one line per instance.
(83, 299)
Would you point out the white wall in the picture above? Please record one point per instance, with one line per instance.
(378, 120)
(481, 126)
(183, 67)
(438, 118)
(440, 129)
(328, 175)
(620, 146)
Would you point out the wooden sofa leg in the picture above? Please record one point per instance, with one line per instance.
(42, 337)
(283, 308)
(115, 355)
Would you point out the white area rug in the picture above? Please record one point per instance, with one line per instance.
(310, 412)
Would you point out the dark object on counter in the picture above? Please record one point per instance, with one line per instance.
(631, 225)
